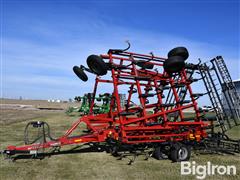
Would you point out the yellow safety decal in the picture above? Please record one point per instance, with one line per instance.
(78, 140)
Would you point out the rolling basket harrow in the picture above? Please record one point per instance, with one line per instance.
(161, 85)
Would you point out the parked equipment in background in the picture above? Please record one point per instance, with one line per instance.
(101, 106)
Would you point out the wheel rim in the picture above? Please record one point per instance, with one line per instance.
(182, 153)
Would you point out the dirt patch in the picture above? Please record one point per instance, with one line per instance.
(17, 107)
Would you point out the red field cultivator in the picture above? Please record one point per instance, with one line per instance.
(160, 85)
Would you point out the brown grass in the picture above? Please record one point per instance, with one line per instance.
(89, 165)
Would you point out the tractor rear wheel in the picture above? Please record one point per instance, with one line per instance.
(179, 51)
(80, 73)
(97, 65)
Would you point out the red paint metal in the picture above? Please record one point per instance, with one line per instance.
(141, 127)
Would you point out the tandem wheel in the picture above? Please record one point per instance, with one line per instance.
(180, 152)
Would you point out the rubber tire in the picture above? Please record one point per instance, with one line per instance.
(179, 51)
(158, 154)
(188, 148)
(97, 65)
(174, 154)
(80, 73)
(144, 64)
(174, 64)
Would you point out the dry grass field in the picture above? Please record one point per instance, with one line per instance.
(94, 165)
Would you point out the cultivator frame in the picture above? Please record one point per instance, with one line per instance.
(147, 76)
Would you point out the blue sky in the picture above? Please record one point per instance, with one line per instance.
(42, 40)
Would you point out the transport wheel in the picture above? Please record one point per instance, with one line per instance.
(97, 65)
(80, 73)
(144, 64)
(158, 154)
(174, 64)
(179, 51)
(180, 152)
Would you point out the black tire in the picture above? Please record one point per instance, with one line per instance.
(97, 65)
(179, 51)
(158, 154)
(144, 64)
(173, 152)
(174, 64)
(180, 152)
(80, 73)
(188, 150)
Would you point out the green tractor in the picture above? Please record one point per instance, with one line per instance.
(102, 105)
